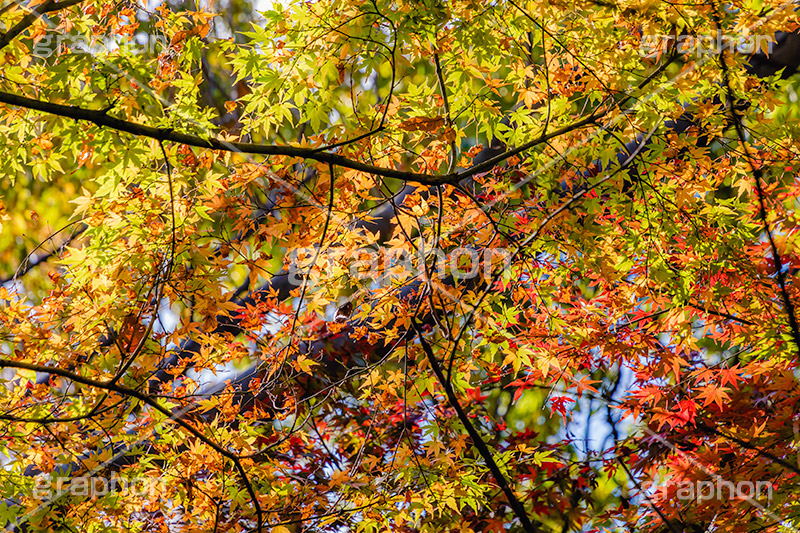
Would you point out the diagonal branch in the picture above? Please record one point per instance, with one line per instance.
(749, 446)
(477, 441)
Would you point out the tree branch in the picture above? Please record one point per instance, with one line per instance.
(144, 398)
(758, 176)
(101, 118)
(477, 441)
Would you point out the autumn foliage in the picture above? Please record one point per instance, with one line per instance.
(399, 266)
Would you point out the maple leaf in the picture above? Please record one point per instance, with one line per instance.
(729, 376)
(686, 411)
(713, 394)
(558, 405)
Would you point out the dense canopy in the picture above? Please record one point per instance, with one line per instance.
(407, 265)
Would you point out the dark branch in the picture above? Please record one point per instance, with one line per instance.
(477, 441)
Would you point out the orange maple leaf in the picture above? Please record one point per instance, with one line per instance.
(422, 124)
